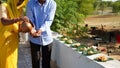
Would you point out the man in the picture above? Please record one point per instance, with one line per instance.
(41, 13)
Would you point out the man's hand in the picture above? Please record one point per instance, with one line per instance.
(35, 33)
(38, 32)
(32, 32)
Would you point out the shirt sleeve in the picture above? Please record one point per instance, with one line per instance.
(48, 21)
(29, 12)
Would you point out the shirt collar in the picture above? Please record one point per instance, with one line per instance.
(44, 3)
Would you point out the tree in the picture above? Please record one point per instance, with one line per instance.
(70, 14)
(66, 15)
(86, 7)
(97, 5)
(103, 6)
(116, 7)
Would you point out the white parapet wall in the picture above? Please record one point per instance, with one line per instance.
(67, 57)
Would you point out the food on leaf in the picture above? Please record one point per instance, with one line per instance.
(101, 58)
(83, 48)
(77, 44)
(69, 41)
(90, 52)
(63, 38)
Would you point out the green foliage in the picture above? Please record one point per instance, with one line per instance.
(116, 7)
(103, 6)
(86, 7)
(96, 5)
(66, 14)
(70, 14)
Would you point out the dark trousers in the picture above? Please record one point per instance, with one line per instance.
(36, 53)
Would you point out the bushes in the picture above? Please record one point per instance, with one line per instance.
(68, 17)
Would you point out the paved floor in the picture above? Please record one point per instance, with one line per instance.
(24, 57)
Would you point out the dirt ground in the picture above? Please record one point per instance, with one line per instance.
(106, 21)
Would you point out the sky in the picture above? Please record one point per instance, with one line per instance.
(109, 0)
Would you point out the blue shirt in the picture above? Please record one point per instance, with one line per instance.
(42, 17)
